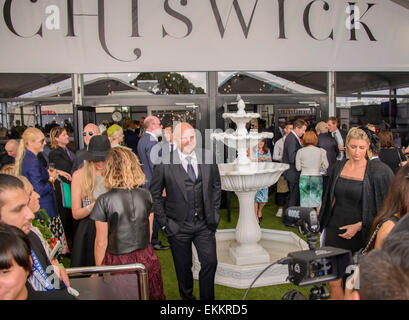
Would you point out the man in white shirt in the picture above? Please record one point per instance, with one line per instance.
(333, 129)
(281, 197)
(279, 145)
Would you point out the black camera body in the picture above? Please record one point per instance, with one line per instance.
(314, 267)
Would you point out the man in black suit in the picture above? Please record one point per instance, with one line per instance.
(130, 136)
(292, 144)
(330, 145)
(190, 212)
(148, 151)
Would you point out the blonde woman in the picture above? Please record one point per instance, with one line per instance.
(115, 135)
(354, 196)
(28, 165)
(125, 213)
(86, 187)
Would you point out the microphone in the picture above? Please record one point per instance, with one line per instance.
(304, 217)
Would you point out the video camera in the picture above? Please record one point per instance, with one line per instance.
(311, 267)
(314, 266)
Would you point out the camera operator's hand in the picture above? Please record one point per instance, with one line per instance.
(351, 230)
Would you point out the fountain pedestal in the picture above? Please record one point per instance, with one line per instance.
(243, 253)
(247, 249)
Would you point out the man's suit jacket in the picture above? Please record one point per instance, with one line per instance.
(172, 212)
(131, 140)
(328, 143)
(145, 154)
(291, 146)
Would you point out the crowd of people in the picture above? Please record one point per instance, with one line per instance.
(106, 203)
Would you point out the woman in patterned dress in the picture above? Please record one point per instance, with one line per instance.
(313, 163)
(261, 153)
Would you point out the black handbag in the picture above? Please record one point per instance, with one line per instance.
(401, 162)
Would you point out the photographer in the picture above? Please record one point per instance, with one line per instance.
(384, 272)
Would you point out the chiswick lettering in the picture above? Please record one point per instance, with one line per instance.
(353, 22)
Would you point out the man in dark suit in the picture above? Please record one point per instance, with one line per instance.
(190, 212)
(148, 152)
(330, 145)
(130, 136)
(292, 144)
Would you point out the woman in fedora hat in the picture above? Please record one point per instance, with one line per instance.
(86, 186)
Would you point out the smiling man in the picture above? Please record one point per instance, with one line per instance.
(190, 212)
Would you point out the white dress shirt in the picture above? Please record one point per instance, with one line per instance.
(338, 138)
(278, 149)
(184, 161)
(152, 134)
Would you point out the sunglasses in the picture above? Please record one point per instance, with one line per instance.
(90, 133)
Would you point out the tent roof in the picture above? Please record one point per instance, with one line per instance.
(16, 84)
(349, 82)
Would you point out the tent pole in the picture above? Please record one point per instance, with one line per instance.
(331, 95)
(77, 85)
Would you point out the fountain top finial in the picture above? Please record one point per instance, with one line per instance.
(240, 105)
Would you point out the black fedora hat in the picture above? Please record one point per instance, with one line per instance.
(98, 149)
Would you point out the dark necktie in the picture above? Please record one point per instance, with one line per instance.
(190, 171)
(334, 134)
(68, 153)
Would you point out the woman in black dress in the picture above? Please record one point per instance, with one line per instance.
(389, 154)
(353, 198)
(63, 159)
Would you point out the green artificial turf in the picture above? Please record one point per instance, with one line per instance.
(270, 221)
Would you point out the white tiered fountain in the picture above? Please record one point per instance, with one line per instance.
(247, 250)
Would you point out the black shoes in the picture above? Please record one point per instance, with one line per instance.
(160, 247)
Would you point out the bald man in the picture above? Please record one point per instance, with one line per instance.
(90, 130)
(147, 153)
(11, 147)
(190, 212)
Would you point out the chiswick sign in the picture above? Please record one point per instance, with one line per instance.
(88, 36)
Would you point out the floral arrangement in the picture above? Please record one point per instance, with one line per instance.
(42, 222)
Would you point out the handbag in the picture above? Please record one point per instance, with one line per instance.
(65, 194)
(401, 162)
(363, 251)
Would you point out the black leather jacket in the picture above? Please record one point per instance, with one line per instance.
(127, 214)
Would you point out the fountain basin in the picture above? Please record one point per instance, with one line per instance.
(250, 177)
(241, 141)
(277, 243)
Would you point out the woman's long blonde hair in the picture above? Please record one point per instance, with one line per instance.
(89, 181)
(122, 170)
(359, 134)
(30, 134)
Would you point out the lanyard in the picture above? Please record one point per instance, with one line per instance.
(39, 279)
